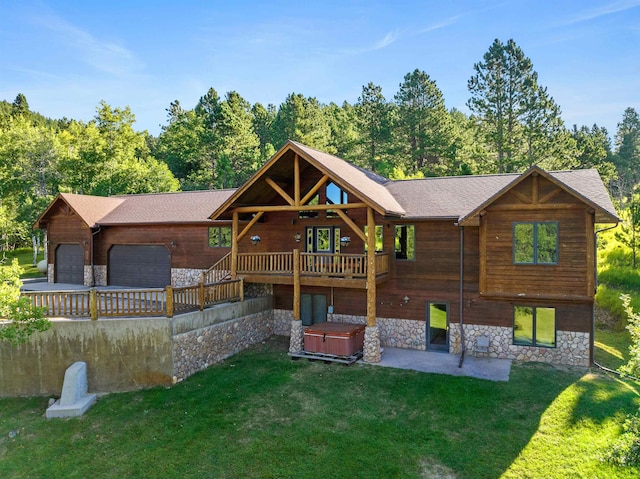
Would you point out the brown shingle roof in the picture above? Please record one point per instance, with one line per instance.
(184, 207)
(457, 197)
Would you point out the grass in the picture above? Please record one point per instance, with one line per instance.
(25, 258)
(261, 415)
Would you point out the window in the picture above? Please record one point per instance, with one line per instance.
(405, 242)
(335, 196)
(535, 243)
(220, 237)
(533, 326)
(310, 213)
(379, 238)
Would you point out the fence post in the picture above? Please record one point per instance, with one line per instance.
(201, 295)
(241, 289)
(93, 304)
(169, 301)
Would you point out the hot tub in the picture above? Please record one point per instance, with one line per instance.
(339, 339)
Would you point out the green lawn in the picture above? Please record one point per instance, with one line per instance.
(25, 258)
(261, 415)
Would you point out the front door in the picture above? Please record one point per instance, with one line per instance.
(437, 326)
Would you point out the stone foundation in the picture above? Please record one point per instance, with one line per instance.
(296, 343)
(372, 353)
(256, 290)
(197, 349)
(100, 274)
(185, 276)
(572, 348)
(282, 322)
(50, 273)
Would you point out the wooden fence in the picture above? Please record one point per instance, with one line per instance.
(96, 304)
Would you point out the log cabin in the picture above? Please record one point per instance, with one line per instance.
(500, 265)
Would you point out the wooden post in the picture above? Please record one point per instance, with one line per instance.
(241, 286)
(93, 304)
(371, 268)
(169, 292)
(201, 295)
(296, 180)
(234, 246)
(296, 284)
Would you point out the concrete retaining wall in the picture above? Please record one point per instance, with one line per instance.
(129, 354)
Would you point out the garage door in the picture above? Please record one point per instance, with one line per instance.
(147, 266)
(69, 264)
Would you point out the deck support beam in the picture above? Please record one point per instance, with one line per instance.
(234, 245)
(371, 334)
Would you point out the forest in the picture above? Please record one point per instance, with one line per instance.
(513, 123)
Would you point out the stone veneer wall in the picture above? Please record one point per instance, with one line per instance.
(205, 338)
(185, 276)
(255, 290)
(395, 333)
(50, 273)
(100, 273)
(572, 348)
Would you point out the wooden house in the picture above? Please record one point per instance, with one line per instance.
(498, 264)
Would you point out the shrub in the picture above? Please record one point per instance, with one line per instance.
(626, 450)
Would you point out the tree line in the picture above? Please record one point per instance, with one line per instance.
(513, 123)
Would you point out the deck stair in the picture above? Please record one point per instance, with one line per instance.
(220, 271)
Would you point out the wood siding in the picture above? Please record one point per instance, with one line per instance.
(65, 227)
(187, 244)
(569, 279)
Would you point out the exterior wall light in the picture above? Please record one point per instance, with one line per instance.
(406, 299)
(255, 239)
(345, 240)
(298, 237)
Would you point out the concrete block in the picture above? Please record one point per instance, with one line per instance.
(74, 400)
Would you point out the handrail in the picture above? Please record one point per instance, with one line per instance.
(167, 301)
(220, 271)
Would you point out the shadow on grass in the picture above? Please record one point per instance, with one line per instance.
(259, 414)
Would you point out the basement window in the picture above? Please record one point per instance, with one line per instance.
(220, 237)
(534, 326)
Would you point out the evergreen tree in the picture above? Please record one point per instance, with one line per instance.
(627, 157)
(374, 122)
(424, 130)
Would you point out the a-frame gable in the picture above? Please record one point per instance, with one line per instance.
(296, 172)
(538, 188)
(89, 209)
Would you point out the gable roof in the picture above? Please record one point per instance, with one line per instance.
(158, 208)
(368, 186)
(586, 185)
(454, 197)
(461, 197)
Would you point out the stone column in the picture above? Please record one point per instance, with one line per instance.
(296, 344)
(372, 352)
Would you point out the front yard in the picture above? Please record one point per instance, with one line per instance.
(260, 414)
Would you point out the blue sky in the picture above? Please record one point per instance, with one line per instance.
(67, 56)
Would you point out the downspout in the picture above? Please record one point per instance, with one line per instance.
(593, 306)
(462, 339)
(93, 269)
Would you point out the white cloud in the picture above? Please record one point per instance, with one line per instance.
(614, 7)
(105, 56)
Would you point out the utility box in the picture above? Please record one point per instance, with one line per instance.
(338, 339)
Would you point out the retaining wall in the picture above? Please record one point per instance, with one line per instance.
(129, 354)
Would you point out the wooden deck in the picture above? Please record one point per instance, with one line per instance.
(316, 269)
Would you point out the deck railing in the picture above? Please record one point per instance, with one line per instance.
(311, 264)
(218, 272)
(265, 263)
(96, 304)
